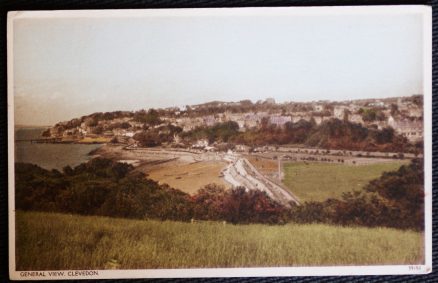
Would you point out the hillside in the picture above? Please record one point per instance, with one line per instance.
(48, 241)
(330, 134)
(337, 134)
(371, 125)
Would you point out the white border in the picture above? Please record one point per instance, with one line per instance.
(425, 11)
(11, 146)
(427, 90)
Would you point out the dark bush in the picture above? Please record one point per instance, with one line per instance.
(104, 187)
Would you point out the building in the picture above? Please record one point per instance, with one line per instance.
(412, 130)
(242, 148)
(355, 118)
(200, 144)
(253, 120)
(209, 120)
(319, 119)
(296, 118)
(279, 120)
(318, 107)
(270, 100)
(377, 103)
(339, 112)
(415, 112)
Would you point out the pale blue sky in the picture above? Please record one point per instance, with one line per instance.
(65, 68)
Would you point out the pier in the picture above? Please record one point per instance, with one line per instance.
(44, 140)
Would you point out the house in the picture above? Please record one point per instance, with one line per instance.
(122, 139)
(279, 120)
(176, 138)
(377, 103)
(108, 134)
(200, 144)
(401, 105)
(238, 118)
(209, 120)
(253, 120)
(412, 130)
(339, 111)
(188, 124)
(318, 107)
(241, 124)
(415, 112)
(82, 131)
(242, 148)
(355, 118)
(296, 118)
(69, 133)
(319, 119)
(135, 124)
(122, 132)
(188, 127)
(128, 134)
(381, 124)
(270, 101)
(353, 108)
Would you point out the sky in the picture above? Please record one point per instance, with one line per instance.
(66, 67)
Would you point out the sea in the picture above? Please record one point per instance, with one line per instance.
(49, 155)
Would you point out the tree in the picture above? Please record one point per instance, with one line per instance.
(208, 202)
(417, 100)
(148, 139)
(97, 130)
(46, 133)
(151, 117)
(125, 125)
(91, 122)
(394, 109)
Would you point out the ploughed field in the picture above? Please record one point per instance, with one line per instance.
(49, 241)
(311, 181)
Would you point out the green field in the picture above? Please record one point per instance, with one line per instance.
(59, 241)
(320, 181)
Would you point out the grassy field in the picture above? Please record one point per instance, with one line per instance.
(266, 166)
(320, 181)
(189, 177)
(56, 241)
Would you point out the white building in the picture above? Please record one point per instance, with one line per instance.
(320, 119)
(203, 143)
(355, 118)
(377, 103)
(412, 130)
(270, 100)
(339, 112)
(279, 120)
(296, 118)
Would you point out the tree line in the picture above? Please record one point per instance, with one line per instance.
(107, 188)
(330, 134)
(395, 200)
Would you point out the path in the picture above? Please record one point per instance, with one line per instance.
(240, 172)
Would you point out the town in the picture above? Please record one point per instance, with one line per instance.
(248, 144)
(403, 114)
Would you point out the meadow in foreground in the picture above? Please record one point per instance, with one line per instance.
(320, 181)
(60, 241)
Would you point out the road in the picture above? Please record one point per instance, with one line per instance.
(240, 172)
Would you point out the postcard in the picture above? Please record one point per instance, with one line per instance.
(219, 142)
